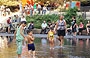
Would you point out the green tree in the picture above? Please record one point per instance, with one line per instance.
(73, 12)
(69, 13)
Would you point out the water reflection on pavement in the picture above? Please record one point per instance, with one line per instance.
(73, 48)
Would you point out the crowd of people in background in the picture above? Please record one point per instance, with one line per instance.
(38, 8)
(13, 22)
(60, 27)
(17, 24)
(75, 29)
(4, 11)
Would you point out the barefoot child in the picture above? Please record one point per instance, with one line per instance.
(51, 38)
(19, 35)
(30, 41)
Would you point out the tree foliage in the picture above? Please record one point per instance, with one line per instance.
(69, 13)
(38, 19)
(73, 12)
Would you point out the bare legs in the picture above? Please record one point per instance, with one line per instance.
(19, 55)
(33, 52)
(61, 39)
(74, 33)
(88, 31)
(8, 30)
(29, 52)
(51, 41)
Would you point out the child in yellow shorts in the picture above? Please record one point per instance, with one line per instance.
(51, 38)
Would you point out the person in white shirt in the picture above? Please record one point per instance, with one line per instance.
(44, 10)
(31, 10)
(44, 26)
(39, 8)
(8, 11)
(23, 18)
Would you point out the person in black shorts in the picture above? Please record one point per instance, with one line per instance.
(88, 27)
(74, 26)
(61, 28)
(30, 42)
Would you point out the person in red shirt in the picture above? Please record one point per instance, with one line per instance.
(81, 27)
(9, 24)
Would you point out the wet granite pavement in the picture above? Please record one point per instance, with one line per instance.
(73, 48)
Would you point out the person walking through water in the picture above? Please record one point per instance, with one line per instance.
(30, 43)
(61, 28)
(19, 35)
(51, 38)
(74, 26)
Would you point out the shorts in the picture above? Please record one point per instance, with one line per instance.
(74, 30)
(31, 47)
(61, 32)
(80, 29)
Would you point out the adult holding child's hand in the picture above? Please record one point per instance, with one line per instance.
(61, 29)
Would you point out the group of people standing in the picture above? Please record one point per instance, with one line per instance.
(78, 29)
(4, 10)
(37, 8)
(19, 36)
(60, 28)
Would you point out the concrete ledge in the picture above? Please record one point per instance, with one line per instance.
(45, 35)
(36, 31)
(84, 32)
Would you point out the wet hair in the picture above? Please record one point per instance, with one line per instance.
(23, 22)
(28, 31)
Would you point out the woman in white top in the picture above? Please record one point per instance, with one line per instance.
(23, 18)
(44, 10)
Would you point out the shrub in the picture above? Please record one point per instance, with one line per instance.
(73, 12)
(38, 19)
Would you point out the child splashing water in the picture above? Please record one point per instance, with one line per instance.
(51, 38)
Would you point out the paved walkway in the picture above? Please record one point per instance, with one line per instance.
(45, 35)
